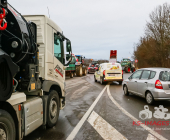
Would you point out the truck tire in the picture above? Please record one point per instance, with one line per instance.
(7, 126)
(71, 75)
(84, 71)
(126, 70)
(52, 108)
(133, 69)
(79, 71)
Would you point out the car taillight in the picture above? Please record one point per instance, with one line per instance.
(104, 72)
(96, 68)
(122, 72)
(128, 69)
(88, 68)
(158, 84)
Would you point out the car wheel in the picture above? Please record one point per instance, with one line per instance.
(149, 98)
(95, 79)
(52, 108)
(7, 126)
(101, 81)
(126, 90)
(120, 82)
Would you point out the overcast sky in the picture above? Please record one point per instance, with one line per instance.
(95, 26)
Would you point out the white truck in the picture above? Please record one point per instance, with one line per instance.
(32, 72)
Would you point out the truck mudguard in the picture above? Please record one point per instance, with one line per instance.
(47, 85)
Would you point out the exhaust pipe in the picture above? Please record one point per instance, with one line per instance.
(8, 69)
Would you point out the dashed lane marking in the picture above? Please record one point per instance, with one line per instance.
(81, 122)
(133, 118)
(106, 131)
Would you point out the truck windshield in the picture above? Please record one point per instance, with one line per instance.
(73, 60)
(126, 60)
(79, 58)
(164, 76)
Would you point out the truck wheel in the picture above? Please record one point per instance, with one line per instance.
(79, 71)
(52, 108)
(85, 72)
(71, 75)
(127, 70)
(7, 126)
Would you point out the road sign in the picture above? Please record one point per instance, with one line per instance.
(113, 54)
(136, 61)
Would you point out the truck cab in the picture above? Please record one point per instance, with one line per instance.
(38, 79)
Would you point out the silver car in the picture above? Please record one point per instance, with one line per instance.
(150, 83)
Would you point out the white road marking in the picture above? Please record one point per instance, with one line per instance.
(81, 122)
(151, 137)
(133, 118)
(106, 131)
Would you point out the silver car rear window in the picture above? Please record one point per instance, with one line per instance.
(153, 73)
(164, 76)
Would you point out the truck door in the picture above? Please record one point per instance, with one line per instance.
(59, 72)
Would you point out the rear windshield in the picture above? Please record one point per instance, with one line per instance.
(164, 76)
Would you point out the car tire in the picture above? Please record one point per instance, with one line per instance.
(125, 89)
(71, 75)
(120, 82)
(101, 81)
(95, 79)
(52, 108)
(7, 126)
(149, 98)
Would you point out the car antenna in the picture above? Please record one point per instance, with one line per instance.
(48, 12)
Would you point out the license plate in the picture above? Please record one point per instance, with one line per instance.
(111, 74)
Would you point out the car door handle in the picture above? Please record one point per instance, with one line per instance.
(135, 81)
(146, 82)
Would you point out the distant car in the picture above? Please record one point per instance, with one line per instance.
(92, 68)
(109, 72)
(150, 83)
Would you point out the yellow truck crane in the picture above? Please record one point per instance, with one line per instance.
(32, 72)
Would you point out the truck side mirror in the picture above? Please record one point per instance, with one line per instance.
(68, 56)
(69, 50)
(68, 47)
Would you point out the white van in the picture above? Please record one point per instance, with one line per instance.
(108, 72)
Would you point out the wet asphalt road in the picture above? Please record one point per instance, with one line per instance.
(81, 93)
